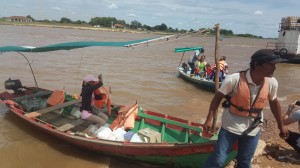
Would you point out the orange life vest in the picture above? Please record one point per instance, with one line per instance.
(221, 64)
(126, 117)
(102, 97)
(57, 97)
(240, 102)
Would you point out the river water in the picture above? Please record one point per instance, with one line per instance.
(143, 73)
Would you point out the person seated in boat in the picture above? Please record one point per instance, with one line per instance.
(185, 67)
(200, 65)
(208, 71)
(225, 71)
(222, 64)
(193, 58)
(102, 99)
(289, 117)
(196, 68)
(89, 85)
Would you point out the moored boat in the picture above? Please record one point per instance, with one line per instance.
(204, 83)
(165, 140)
(177, 143)
(184, 72)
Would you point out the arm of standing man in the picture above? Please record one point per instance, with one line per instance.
(213, 110)
(276, 110)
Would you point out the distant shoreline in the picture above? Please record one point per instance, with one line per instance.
(72, 26)
(88, 27)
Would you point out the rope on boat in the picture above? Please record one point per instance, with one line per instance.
(35, 82)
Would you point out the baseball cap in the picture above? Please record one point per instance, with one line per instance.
(89, 78)
(266, 56)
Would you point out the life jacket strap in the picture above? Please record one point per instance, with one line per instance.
(251, 110)
(253, 125)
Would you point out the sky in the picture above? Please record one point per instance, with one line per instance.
(257, 17)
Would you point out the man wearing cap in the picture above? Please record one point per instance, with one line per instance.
(89, 85)
(246, 93)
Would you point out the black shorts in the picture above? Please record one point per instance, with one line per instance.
(294, 140)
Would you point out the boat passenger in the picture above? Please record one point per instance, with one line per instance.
(201, 65)
(247, 93)
(223, 66)
(208, 71)
(89, 85)
(193, 58)
(289, 117)
(225, 71)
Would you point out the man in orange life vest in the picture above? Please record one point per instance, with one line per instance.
(246, 93)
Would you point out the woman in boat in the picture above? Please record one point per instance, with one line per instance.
(89, 85)
(289, 117)
(201, 65)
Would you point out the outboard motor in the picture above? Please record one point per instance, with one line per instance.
(14, 85)
(185, 67)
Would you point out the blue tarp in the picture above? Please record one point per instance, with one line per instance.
(188, 49)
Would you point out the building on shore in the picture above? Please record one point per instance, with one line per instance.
(118, 26)
(18, 19)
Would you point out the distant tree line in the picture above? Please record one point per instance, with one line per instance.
(110, 21)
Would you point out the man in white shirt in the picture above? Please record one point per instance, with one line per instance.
(247, 93)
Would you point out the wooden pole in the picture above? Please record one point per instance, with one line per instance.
(181, 60)
(217, 74)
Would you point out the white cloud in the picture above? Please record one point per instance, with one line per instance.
(131, 15)
(159, 14)
(112, 6)
(258, 13)
(240, 14)
(57, 8)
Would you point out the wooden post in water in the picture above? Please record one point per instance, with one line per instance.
(217, 75)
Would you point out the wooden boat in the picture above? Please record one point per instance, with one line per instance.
(182, 144)
(201, 82)
(204, 83)
(168, 140)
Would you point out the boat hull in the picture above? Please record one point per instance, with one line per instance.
(179, 154)
(208, 85)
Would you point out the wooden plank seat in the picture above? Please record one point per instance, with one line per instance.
(52, 108)
(81, 125)
(60, 106)
(34, 95)
(65, 127)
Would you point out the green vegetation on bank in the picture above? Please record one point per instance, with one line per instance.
(109, 22)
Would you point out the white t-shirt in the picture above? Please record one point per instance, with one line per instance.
(237, 124)
(194, 57)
